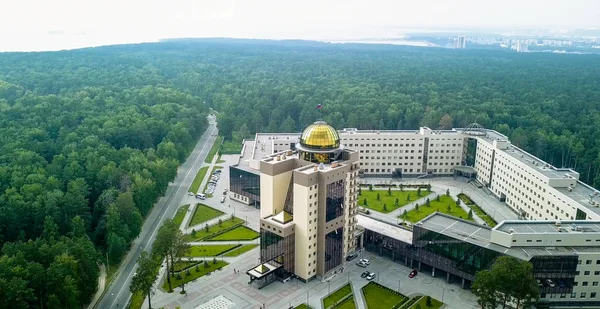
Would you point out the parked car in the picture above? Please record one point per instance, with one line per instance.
(413, 273)
(223, 199)
(351, 257)
(191, 193)
(218, 171)
(550, 283)
(540, 284)
(225, 190)
(365, 261)
(365, 274)
(371, 276)
(201, 196)
(361, 264)
(562, 284)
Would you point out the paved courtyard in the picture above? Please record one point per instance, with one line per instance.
(226, 289)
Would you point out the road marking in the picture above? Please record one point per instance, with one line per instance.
(168, 202)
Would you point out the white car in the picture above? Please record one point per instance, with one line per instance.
(191, 193)
(371, 276)
(223, 199)
(365, 261)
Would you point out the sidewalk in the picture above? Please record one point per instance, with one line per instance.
(101, 285)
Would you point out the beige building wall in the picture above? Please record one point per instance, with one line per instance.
(273, 190)
(305, 203)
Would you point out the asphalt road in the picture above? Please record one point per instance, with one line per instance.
(118, 293)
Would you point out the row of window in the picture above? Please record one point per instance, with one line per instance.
(573, 295)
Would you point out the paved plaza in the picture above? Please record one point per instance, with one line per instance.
(227, 289)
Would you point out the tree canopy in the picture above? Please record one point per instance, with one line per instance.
(508, 282)
(97, 133)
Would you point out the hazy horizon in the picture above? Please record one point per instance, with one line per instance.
(67, 24)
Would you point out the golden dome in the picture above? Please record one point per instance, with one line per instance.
(320, 135)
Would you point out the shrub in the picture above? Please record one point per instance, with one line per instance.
(193, 232)
(214, 260)
(378, 197)
(417, 207)
(449, 209)
(419, 191)
(205, 264)
(370, 187)
(389, 191)
(397, 202)
(447, 192)
(220, 222)
(470, 213)
(384, 207)
(206, 228)
(408, 197)
(437, 198)
(365, 202)
(428, 202)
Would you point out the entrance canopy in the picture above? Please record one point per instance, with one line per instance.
(466, 171)
(264, 273)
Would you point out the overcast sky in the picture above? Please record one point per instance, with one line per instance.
(46, 24)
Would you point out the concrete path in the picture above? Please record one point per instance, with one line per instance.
(101, 286)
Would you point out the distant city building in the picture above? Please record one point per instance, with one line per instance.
(522, 47)
(307, 207)
(460, 42)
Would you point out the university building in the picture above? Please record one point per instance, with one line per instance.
(306, 185)
(565, 255)
(307, 207)
(531, 187)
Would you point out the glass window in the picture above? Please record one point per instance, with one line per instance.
(334, 200)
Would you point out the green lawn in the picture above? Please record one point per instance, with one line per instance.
(347, 305)
(204, 213)
(378, 296)
(180, 214)
(303, 306)
(230, 147)
(213, 150)
(388, 200)
(481, 214)
(240, 250)
(337, 295)
(216, 167)
(209, 250)
(441, 206)
(435, 304)
(194, 274)
(238, 233)
(198, 180)
(215, 229)
(179, 266)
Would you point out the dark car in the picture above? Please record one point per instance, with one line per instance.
(364, 275)
(562, 284)
(351, 257)
(413, 273)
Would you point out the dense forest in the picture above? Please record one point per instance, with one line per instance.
(90, 138)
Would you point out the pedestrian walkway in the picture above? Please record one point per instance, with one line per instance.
(101, 285)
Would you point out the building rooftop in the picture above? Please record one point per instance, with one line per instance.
(581, 193)
(480, 235)
(546, 227)
(385, 229)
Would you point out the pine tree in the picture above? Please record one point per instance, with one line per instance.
(397, 202)
(378, 197)
(384, 207)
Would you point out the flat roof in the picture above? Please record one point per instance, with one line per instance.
(384, 228)
(546, 227)
(481, 236)
(581, 193)
(263, 269)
